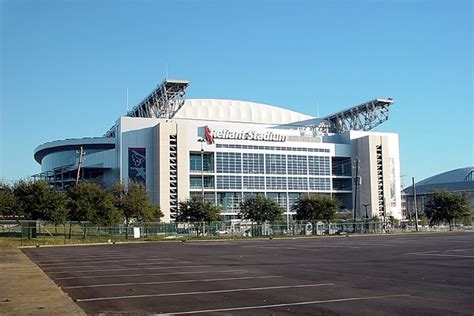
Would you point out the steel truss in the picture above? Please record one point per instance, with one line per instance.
(163, 102)
(362, 117)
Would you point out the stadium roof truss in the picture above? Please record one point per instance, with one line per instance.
(168, 98)
(163, 102)
(363, 117)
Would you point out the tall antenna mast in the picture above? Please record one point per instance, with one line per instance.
(127, 99)
(317, 110)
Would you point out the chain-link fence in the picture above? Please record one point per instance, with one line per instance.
(42, 233)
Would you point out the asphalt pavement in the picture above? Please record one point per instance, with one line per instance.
(410, 274)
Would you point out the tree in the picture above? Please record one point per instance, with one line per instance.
(134, 204)
(260, 209)
(37, 200)
(445, 206)
(88, 202)
(196, 209)
(316, 207)
(8, 202)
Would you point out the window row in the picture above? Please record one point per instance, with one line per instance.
(279, 148)
(230, 201)
(226, 182)
(253, 163)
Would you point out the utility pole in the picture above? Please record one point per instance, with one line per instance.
(414, 202)
(79, 163)
(356, 191)
(366, 217)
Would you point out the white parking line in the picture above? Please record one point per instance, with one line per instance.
(52, 270)
(282, 248)
(314, 248)
(83, 259)
(149, 274)
(461, 249)
(438, 255)
(203, 292)
(97, 261)
(285, 304)
(127, 269)
(171, 282)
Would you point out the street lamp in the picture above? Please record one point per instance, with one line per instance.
(202, 140)
(356, 161)
(366, 217)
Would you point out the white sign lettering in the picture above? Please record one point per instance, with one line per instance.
(247, 135)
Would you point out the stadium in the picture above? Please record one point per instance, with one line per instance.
(458, 181)
(227, 150)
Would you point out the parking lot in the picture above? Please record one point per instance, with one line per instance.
(399, 274)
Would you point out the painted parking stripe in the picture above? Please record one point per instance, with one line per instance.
(302, 248)
(204, 292)
(128, 269)
(100, 261)
(281, 248)
(438, 255)
(172, 282)
(52, 270)
(349, 299)
(149, 274)
(96, 258)
(72, 268)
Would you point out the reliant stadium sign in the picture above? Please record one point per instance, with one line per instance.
(211, 134)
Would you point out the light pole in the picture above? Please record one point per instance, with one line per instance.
(414, 202)
(366, 217)
(202, 140)
(356, 191)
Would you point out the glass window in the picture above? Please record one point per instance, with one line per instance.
(318, 166)
(253, 163)
(208, 196)
(319, 184)
(297, 183)
(293, 198)
(279, 198)
(229, 201)
(297, 164)
(229, 162)
(276, 183)
(195, 160)
(195, 182)
(229, 182)
(254, 183)
(275, 164)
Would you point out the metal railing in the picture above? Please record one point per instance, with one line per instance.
(42, 233)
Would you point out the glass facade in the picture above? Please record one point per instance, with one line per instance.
(297, 164)
(253, 163)
(229, 201)
(297, 183)
(282, 176)
(229, 162)
(276, 183)
(254, 182)
(229, 182)
(319, 184)
(275, 164)
(319, 166)
(195, 160)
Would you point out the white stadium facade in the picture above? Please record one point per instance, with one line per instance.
(227, 150)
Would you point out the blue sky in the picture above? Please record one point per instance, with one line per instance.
(66, 65)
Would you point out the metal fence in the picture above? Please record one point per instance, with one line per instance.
(43, 233)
